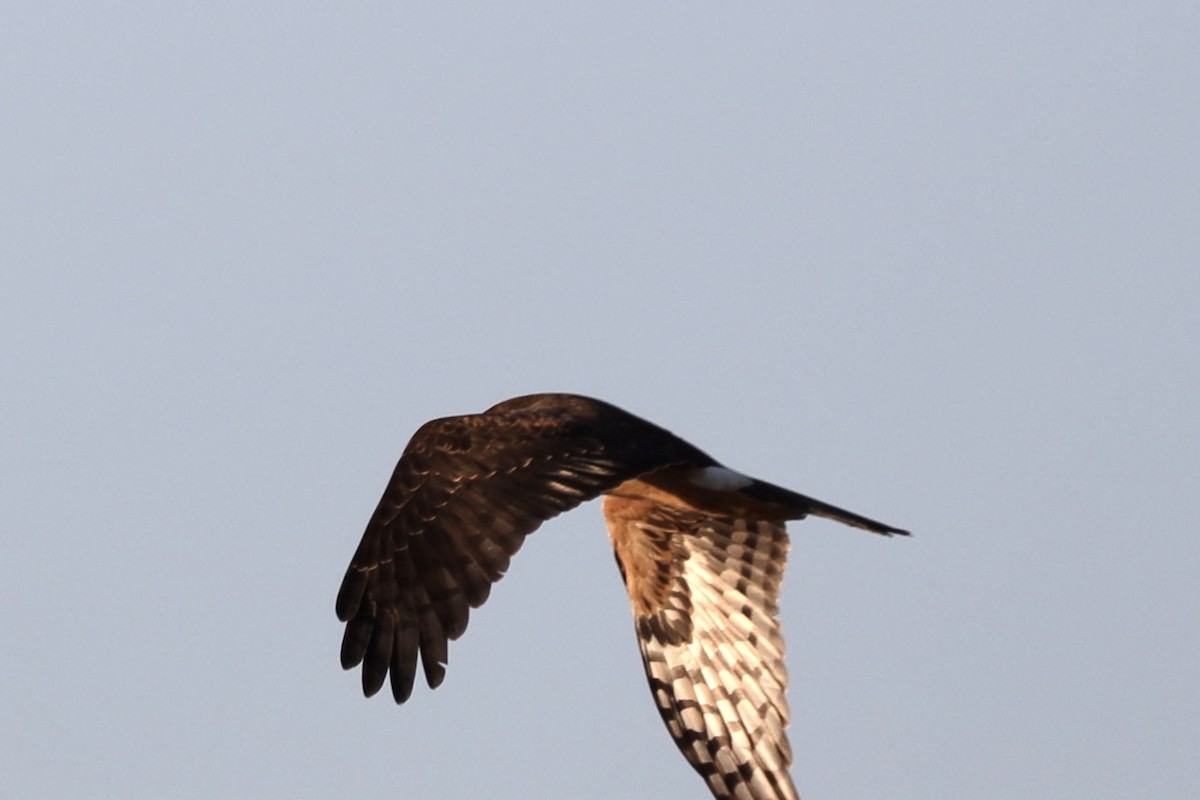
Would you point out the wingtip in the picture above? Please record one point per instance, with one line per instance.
(350, 594)
(402, 685)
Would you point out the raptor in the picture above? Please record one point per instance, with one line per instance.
(701, 548)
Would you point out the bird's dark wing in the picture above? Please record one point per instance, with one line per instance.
(465, 493)
(705, 589)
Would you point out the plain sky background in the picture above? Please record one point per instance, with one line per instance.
(937, 262)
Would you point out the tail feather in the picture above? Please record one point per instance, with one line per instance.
(797, 506)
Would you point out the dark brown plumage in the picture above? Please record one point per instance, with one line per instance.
(701, 548)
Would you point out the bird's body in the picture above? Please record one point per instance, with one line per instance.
(701, 548)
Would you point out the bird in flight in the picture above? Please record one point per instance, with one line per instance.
(701, 549)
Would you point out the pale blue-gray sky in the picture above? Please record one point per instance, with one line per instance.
(936, 262)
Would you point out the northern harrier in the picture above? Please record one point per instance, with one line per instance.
(701, 549)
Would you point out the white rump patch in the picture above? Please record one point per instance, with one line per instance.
(719, 479)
